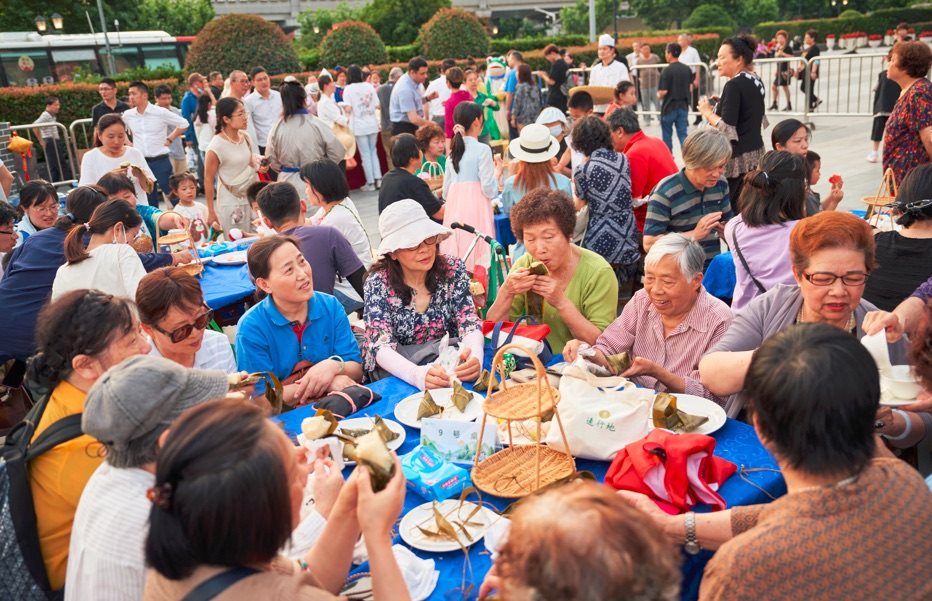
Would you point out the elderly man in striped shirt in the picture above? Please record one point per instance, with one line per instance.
(668, 325)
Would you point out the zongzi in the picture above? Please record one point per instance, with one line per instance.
(484, 381)
(322, 424)
(461, 396)
(387, 434)
(667, 415)
(619, 363)
(427, 407)
(372, 452)
(535, 302)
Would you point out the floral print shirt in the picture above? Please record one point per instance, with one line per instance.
(389, 322)
(902, 147)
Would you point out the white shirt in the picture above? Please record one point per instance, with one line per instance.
(198, 210)
(149, 128)
(111, 268)
(215, 353)
(690, 57)
(265, 111)
(439, 85)
(96, 164)
(330, 112)
(362, 99)
(607, 75)
(345, 218)
(106, 557)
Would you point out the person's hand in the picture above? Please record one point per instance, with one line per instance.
(139, 173)
(923, 403)
(492, 582)
(437, 377)
(182, 257)
(643, 504)
(550, 290)
(885, 422)
(315, 383)
(341, 381)
(497, 166)
(469, 368)
(347, 109)
(328, 481)
(704, 105)
(378, 511)
(172, 221)
(706, 224)
(488, 102)
(571, 350)
(212, 217)
(641, 367)
(519, 281)
(874, 321)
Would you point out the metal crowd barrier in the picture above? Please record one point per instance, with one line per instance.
(59, 166)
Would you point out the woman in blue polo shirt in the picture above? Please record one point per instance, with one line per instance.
(300, 335)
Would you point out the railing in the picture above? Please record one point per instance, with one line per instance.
(60, 161)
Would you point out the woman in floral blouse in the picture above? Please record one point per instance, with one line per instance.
(907, 140)
(413, 297)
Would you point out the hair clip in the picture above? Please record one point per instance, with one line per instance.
(161, 495)
(87, 225)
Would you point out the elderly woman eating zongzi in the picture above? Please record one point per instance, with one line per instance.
(668, 325)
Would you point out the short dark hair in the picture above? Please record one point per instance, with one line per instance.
(455, 77)
(416, 63)
(784, 130)
(8, 213)
(36, 192)
(162, 89)
(327, 178)
(260, 253)
(255, 71)
(743, 46)
(109, 82)
(49, 100)
(80, 205)
(114, 183)
(353, 74)
(404, 150)
(447, 63)
(913, 57)
(818, 429)
(214, 75)
(162, 289)
(590, 134)
(540, 205)
(214, 452)
(324, 80)
(279, 202)
(812, 157)
(674, 50)
(622, 87)
(813, 33)
(517, 55)
(294, 98)
(776, 191)
(139, 86)
(581, 101)
(625, 120)
(185, 176)
(916, 186)
(551, 48)
(252, 192)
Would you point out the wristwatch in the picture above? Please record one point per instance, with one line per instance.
(692, 543)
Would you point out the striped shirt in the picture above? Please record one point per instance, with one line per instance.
(676, 205)
(639, 330)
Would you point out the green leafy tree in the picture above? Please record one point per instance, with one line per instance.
(352, 42)
(323, 20)
(398, 21)
(575, 19)
(20, 15)
(454, 33)
(177, 17)
(241, 42)
(708, 15)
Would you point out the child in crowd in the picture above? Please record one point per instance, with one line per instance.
(252, 193)
(184, 188)
(625, 97)
(580, 105)
(814, 202)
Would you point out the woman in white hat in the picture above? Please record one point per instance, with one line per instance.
(532, 167)
(555, 121)
(414, 296)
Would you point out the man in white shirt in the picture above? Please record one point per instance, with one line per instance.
(442, 90)
(239, 88)
(264, 105)
(148, 123)
(128, 409)
(608, 71)
(689, 56)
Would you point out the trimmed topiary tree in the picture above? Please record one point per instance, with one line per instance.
(454, 33)
(241, 42)
(352, 42)
(707, 15)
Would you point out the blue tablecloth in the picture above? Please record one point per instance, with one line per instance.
(719, 278)
(225, 284)
(735, 442)
(503, 231)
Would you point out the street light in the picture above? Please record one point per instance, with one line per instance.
(57, 21)
(316, 29)
(41, 24)
(495, 30)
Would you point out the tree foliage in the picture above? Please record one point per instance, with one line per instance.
(20, 15)
(177, 17)
(708, 15)
(323, 19)
(398, 21)
(575, 19)
(241, 42)
(352, 42)
(454, 33)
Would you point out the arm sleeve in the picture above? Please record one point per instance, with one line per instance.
(924, 291)
(252, 349)
(467, 320)
(391, 361)
(664, 83)
(355, 280)
(692, 384)
(746, 331)
(638, 166)
(174, 119)
(620, 334)
(658, 215)
(153, 261)
(344, 343)
(487, 173)
(447, 180)
(600, 298)
(131, 269)
(730, 103)
(745, 517)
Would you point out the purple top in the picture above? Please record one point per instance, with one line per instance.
(766, 249)
(328, 252)
(455, 98)
(924, 291)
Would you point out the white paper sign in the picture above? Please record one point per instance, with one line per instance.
(456, 441)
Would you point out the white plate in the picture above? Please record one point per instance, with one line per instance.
(423, 516)
(887, 398)
(360, 423)
(697, 405)
(237, 257)
(406, 410)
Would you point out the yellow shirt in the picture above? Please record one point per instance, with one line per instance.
(58, 477)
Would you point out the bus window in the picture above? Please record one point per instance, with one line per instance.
(124, 57)
(161, 55)
(26, 67)
(68, 60)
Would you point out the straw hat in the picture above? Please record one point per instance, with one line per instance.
(405, 224)
(346, 138)
(534, 145)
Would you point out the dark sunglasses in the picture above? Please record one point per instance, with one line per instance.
(179, 334)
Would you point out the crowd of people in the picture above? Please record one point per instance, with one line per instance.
(174, 485)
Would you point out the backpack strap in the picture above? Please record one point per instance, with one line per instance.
(744, 262)
(218, 583)
(65, 429)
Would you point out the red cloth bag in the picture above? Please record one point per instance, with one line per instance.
(677, 471)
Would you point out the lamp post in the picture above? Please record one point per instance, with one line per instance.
(41, 24)
(57, 22)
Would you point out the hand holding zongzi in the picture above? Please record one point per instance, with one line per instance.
(378, 511)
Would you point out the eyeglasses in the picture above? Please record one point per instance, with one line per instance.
(914, 206)
(824, 278)
(47, 208)
(179, 334)
(7, 232)
(428, 241)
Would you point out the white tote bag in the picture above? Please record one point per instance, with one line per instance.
(598, 422)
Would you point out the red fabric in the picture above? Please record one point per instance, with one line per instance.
(650, 161)
(534, 332)
(642, 462)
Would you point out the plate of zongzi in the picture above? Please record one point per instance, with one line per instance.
(449, 403)
(392, 432)
(686, 413)
(450, 525)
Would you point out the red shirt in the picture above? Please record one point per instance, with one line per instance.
(455, 98)
(650, 162)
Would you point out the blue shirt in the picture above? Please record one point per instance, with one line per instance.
(406, 97)
(188, 111)
(266, 341)
(511, 81)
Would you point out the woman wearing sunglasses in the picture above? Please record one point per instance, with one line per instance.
(832, 254)
(415, 296)
(174, 315)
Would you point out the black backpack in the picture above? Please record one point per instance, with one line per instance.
(22, 570)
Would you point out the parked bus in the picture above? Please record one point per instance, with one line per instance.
(29, 59)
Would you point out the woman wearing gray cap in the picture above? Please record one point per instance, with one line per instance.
(414, 297)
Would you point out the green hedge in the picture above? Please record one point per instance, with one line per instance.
(24, 105)
(352, 42)
(402, 54)
(453, 33)
(501, 46)
(878, 21)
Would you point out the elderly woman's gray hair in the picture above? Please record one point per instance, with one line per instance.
(706, 148)
(689, 255)
(624, 119)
